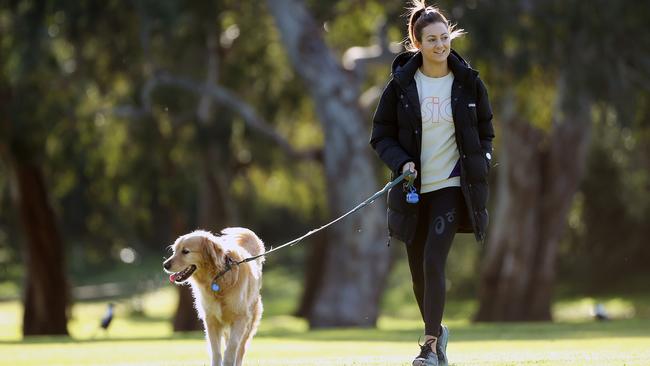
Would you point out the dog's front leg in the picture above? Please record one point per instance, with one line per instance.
(214, 333)
(237, 330)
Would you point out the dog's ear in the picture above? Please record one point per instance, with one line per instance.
(234, 255)
(209, 250)
(231, 277)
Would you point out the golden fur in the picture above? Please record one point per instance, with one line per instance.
(233, 313)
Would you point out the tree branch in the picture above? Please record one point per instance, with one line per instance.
(205, 103)
(223, 97)
(357, 59)
(210, 90)
(382, 52)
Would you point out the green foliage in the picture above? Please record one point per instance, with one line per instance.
(606, 245)
(123, 181)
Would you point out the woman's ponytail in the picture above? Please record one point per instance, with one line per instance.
(421, 15)
(415, 11)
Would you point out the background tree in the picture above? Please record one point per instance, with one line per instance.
(543, 150)
(356, 268)
(23, 133)
(219, 163)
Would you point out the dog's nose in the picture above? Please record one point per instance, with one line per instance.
(167, 265)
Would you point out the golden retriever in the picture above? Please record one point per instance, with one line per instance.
(231, 307)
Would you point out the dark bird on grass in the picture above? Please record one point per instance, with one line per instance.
(108, 317)
(600, 313)
(106, 320)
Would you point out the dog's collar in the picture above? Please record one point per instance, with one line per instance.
(229, 264)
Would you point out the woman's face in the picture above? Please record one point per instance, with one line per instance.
(436, 43)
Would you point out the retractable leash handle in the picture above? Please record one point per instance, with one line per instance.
(215, 286)
(412, 195)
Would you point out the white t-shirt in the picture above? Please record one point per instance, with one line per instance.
(439, 157)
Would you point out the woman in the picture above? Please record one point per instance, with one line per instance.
(434, 119)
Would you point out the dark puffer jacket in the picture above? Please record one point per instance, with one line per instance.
(397, 139)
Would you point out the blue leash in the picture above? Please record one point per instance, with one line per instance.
(371, 199)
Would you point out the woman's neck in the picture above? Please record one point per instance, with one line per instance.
(435, 70)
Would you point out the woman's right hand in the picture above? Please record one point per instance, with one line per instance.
(410, 166)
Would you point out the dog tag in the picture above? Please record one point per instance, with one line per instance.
(215, 287)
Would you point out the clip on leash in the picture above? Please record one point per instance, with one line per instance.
(413, 194)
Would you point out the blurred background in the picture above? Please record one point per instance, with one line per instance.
(126, 124)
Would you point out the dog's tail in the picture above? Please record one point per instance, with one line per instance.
(246, 239)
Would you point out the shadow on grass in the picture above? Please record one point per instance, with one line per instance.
(144, 318)
(198, 335)
(459, 333)
(476, 332)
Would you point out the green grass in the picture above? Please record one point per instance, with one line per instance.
(147, 339)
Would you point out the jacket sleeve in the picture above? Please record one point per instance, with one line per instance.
(484, 114)
(384, 136)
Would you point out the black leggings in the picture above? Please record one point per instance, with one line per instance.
(427, 254)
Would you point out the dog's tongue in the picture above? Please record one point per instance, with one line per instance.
(172, 277)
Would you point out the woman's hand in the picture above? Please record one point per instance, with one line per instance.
(410, 166)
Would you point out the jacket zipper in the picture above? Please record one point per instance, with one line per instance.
(463, 174)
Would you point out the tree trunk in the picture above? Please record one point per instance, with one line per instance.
(314, 268)
(45, 298)
(213, 215)
(185, 319)
(514, 234)
(538, 176)
(357, 261)
(46, 288)
(215, 210)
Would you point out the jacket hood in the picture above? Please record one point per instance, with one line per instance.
(407, 63)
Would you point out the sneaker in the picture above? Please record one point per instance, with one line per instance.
(426, 357)
(441, 346)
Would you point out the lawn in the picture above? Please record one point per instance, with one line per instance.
(146, 338)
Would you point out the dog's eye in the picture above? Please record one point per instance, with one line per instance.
(185, 251)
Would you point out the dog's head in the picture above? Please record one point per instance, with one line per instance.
(201, 254)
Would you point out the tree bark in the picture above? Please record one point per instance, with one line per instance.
(314, 268)
(185, 319)
(357, 261)
(46, 288)
(505, 278)
(215, 211)
(538, 176)
(46, 295)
